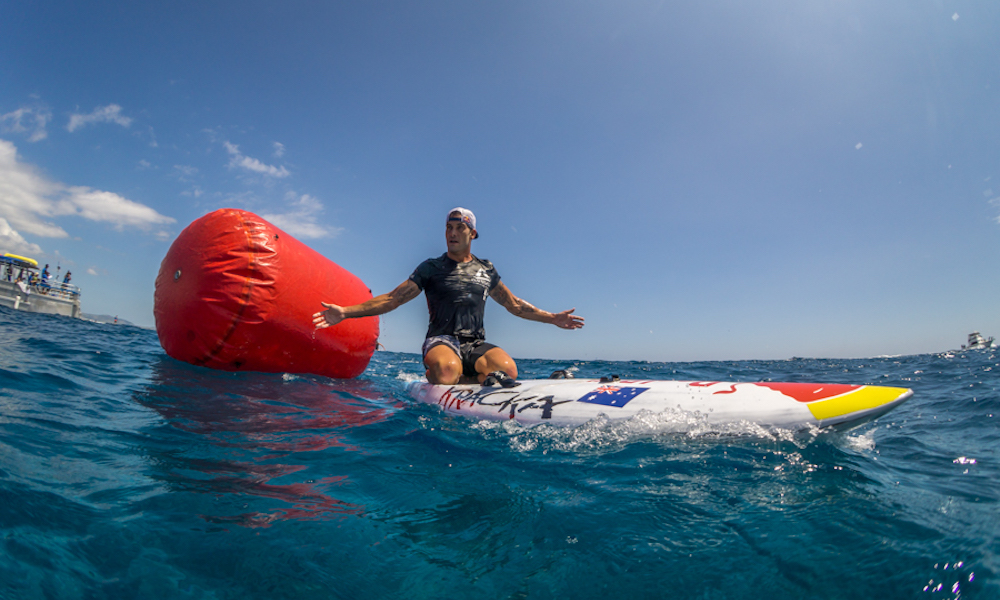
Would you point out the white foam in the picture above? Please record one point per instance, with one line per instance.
(602, 433)
(410, 377)
(862, 442)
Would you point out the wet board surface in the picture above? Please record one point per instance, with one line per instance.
(569, 402)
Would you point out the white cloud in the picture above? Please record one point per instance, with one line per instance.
(29, 201)
(108, 207)
(11, 241)
(185, 172)
(238, 160)
(111, 113)
(27, 198)
(300, 221)
(279, 149)
(31, 120)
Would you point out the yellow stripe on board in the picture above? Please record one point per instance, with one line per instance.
(864, 398)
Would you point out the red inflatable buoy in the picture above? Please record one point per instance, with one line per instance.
(236, 293)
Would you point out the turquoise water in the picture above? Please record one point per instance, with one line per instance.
(126, 474)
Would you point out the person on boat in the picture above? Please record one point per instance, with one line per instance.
(42, 283)
(456, 285)
(65, 283)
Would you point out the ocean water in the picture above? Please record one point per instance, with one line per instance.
(126, 474)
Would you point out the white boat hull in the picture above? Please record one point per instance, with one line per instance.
(51, 301)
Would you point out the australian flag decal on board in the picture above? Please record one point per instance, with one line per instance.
(612, 395)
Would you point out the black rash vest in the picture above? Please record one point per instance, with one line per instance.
(456, 294)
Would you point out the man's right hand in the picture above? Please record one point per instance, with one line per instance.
(328, 318)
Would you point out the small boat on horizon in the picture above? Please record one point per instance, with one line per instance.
(23, 287)
(978, 342)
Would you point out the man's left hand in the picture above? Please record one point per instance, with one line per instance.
(567, 320)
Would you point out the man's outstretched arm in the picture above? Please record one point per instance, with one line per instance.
(378, 305)
(524, 309)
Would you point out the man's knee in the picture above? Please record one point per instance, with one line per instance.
(496, 360)
(445, 373)
(443, 366)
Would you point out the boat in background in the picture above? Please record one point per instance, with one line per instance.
(978, 342)
(22, 287)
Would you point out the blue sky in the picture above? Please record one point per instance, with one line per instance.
(711, 180)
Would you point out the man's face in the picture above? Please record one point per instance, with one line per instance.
(458, 235)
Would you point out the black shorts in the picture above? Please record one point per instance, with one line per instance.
(469, 351)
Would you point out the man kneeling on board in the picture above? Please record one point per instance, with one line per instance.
(456, 285)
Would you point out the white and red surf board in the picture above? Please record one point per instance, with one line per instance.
(569, 402)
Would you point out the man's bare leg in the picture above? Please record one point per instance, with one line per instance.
(444, 367)
(496, 359)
